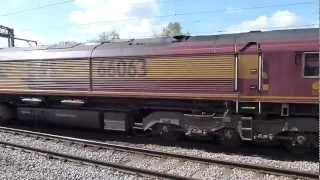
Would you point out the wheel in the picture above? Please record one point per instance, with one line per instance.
(297, 144)
(166, 131)
(230, 138)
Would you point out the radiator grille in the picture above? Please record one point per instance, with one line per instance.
(45, 74)
(205, 74)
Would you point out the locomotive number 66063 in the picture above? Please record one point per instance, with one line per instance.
(122, 68)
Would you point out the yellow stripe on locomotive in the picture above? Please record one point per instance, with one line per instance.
(166, 68)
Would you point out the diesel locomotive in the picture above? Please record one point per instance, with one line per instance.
(255, 86)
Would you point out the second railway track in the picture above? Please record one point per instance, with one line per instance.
(130, 153)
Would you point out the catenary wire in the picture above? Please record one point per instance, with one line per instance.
(36, 8)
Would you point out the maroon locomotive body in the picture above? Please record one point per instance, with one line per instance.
(239, 87)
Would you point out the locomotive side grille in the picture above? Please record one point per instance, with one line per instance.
(209, 67)
(202, 74)
(45, 74)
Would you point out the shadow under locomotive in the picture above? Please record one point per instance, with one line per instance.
(202, 144)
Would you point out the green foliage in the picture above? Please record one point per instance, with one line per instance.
(172, 29)
(108, 36)
(63, 44)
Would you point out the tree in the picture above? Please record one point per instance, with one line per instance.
(64, 44)
(172, 29)
(108, 36)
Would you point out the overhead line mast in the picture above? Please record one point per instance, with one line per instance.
(6, 32)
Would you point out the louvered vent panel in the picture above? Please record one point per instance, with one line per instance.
(45, 74)
(203, 74)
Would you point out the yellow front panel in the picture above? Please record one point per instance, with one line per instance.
(191, 67)
(248, 66)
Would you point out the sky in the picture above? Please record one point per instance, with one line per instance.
(52, 21)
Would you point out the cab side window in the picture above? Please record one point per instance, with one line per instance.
(311, 65)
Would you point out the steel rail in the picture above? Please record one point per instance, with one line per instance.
(132, 170)
(250, 167)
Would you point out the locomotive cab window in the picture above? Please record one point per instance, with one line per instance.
(311, 65)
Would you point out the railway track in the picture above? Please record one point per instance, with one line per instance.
(81, 160)
(145, 153)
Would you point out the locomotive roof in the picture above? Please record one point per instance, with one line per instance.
(154, 46)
